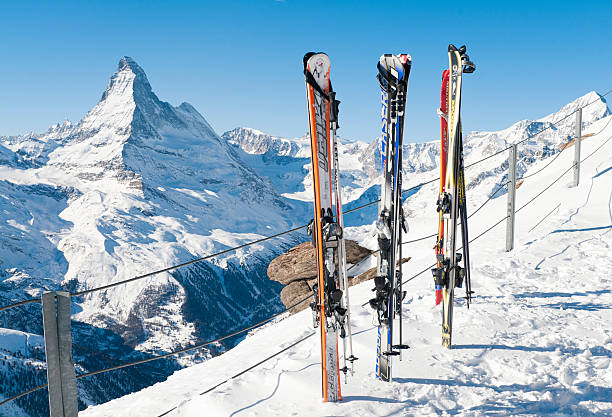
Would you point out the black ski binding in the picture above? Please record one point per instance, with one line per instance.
(458, 276)
(379, 302)
(440, 273)
(444, 203)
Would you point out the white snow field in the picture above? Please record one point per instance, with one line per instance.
(537, 339)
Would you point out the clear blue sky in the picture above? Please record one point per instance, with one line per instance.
(239, 63)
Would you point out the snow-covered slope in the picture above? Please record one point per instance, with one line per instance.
(536, 340)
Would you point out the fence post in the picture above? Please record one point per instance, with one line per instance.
(577, 142)
(511, 198)
(61, 378)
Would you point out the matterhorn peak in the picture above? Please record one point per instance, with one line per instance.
(129, 79)
(127, 62)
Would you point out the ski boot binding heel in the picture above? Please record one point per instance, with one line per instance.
(444, 203)
(440, 275)
(379, 302)
(459, 275)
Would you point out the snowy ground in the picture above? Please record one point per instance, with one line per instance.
(537, 339)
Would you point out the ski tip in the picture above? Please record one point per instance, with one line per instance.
(405, 59)
(451, 48)
(394, 68)
(309, 55)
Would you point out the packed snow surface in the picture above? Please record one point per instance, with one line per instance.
(536, 340)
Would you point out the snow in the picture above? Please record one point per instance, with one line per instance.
(536, 340)
(15, 341)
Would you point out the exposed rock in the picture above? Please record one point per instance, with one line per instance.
(297, 270)
(300, 263)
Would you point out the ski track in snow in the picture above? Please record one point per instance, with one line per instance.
(537, 339)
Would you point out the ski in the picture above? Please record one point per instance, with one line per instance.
(329, 311)
(393, 73)
(451, 204)
(442, 203)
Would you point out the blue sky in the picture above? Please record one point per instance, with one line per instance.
(239, 63)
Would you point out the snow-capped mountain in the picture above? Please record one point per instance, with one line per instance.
(136, 186)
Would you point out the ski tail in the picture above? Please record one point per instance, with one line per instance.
(318, 86)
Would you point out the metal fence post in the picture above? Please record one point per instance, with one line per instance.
(511, 198)
(61, 377)
(577, 142)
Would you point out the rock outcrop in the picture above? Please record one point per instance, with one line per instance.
(297, 270)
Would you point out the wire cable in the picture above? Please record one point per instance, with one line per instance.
(193, 261)
(20, 303)
(15, 397)
(165, 355)
(471, 240)
(561, 176)
(475, 211)
(540, 131)
(285, 349)
(187, 349)
(560, 152)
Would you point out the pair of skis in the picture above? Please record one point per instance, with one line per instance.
(331, 299)
(451, 204)
(393, 73)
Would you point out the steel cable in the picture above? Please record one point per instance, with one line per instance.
(560, 152)
(561, 176)
(248, 369)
